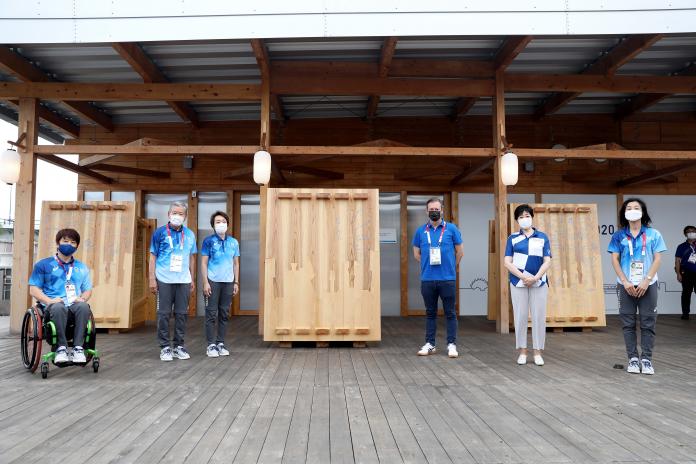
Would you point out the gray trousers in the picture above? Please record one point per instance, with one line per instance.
(217, 309)
(524, 301)
(59, 315)
(646, 306)
(176, 297)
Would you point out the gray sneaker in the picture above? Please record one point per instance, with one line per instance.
(633, 366)
(181, 353)
(222, 350)
(646, 367)
(166, 354)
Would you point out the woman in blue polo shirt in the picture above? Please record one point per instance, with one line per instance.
(685, 266)
(636, 253)
(528, 257)
(220, 269)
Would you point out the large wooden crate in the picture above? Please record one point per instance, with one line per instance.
(576, 292)
(322, 269)
(114, 245)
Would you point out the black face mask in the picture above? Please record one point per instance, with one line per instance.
(434, 216)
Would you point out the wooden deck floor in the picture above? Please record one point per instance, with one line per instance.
(379, 404)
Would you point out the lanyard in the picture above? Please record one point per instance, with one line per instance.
(169, 236)
(70, 268)
(630, 243)
(427, 232)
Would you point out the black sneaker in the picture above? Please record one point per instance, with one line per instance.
(685, 317)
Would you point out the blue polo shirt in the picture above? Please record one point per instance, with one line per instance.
(163, 250)
(50, 276)
(221, 254)
(451, 237)
(654, 243)
(527, 255)
(684, 250)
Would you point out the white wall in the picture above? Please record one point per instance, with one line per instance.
(68, 21)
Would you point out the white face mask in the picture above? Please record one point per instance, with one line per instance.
(176, 220)
(525, 222)
(691, 236)
(633, 214)
(220, 228)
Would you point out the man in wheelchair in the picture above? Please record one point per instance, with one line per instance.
(63, 285)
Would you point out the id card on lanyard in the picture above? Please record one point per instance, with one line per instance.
(435, 253)
(637, 268)
(176, 260)
(692, 256)
(70, 289)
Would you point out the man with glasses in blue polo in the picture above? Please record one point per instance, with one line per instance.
(437, 246)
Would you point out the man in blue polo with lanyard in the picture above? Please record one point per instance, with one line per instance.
(172, 267)
(63, 285)
(437, 246)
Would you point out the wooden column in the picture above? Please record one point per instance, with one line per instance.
(454, 218)
(405, 250)
(23, 246)
(192, 220)
(265, 136)
(500, 191)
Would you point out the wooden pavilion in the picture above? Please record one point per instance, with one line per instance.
(413, 115)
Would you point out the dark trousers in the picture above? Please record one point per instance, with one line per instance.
(217, 309)
(59, 315)
(688, 287)
(646, 306)
(172, 297)
(446, 290)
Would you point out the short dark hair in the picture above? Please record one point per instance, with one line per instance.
(688, 228)
(520, 210)
(645, 219)
(70, 234)
(433, 200)
(219, 213)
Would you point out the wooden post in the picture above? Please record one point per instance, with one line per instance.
(537, 198)
(500, 190)
(23, 246)
(265, 136)
(454, 218)
(192, 219)
(619, 203)
(405, 249)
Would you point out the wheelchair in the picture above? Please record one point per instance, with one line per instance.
(37, 327)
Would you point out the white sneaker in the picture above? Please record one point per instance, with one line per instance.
(61, 355)
(222, 350)
(538, 360)
(426, 350)
(181, 353)
(78, 355)
(646, 367)
(212, 351)
(452, 350)
(166, 354)
(633, 366)
(522, 359)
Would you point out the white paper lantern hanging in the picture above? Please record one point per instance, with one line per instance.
(509, 167)
(9, 166)
(262, 167)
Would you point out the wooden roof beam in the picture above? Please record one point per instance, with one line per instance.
(25, 71)
(471, 171)
(264, 62)
(316, 172)
(148, 70)
(385, 61)
(130, 170)
(65, 164)
(506, 54)
(606, 65)
(53, 119)
(655, 175)
(646, 100)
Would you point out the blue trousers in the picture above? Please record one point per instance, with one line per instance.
(446, 290)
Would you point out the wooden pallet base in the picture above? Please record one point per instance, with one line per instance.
(322, 344)
(570, 329)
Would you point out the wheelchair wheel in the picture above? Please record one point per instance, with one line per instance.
(91, 339)
(95, 365)
(44, 370)
(31, 339)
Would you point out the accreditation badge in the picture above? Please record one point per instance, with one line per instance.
(637, 272)
(70, 293)
(176, 262)
(435, 257)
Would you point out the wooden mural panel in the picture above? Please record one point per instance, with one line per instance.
(322, 272)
